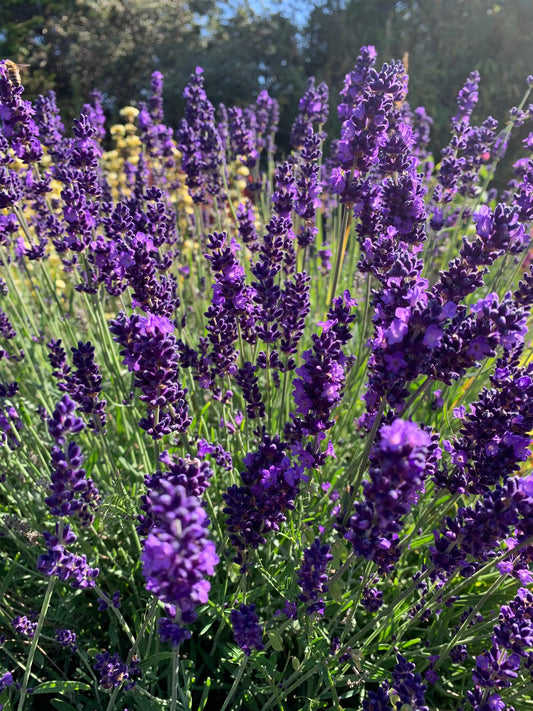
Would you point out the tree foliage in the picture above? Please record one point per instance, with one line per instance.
(114, 45)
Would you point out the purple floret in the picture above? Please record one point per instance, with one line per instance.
(247, 631)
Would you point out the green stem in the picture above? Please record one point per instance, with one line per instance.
(236, 683)
(35, 641)
(174, 687)
(341, 249)
(147, 619)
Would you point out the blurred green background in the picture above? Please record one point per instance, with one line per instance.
(74, 46)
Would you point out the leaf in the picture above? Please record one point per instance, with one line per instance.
(61, 705)
(336, 590)
(60, 687)
(275, 641)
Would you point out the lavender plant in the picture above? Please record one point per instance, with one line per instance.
(265, 420)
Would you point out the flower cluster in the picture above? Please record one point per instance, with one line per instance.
(476, 533)
(270, 485)
(499, 667)
(84, 385)
(406, 689)
(61, 563)
(113, 671)
(72, 492)
(150, 352)
(312, 576)
(206, 262)
(199, 142)
(247, 631)
(177, 553)
(398, 468)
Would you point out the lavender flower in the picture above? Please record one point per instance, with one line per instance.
(177, 554)
(494, 437)
(312, 576)
(355, 81)
(475, 534)
(318, 387)
(267, 118)
(192, 474)
(398, 463)
(66, 638)
(84, 384)
(150, 351)
(113, 671)
(72, 492)
(270, 485)
(246, 629)
(16, 115)
(24, 626)
(406, 686)
(199, 142)
(51, 128)
(63, 564)
(5, 681)
(241, 138)
(313, 111)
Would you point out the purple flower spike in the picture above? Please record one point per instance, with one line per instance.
(312, 576)
(16, 117)
(199, 142)
(247, 631)
(150, 350)
(398, 466)
(177, 554)
(113, 671)
(66, 638)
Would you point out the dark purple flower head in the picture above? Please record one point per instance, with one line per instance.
(267, 118)
(24, 626)
(150, 351)
(5, 681)
(270, 485)
(355, 81)
(399, 463)
(66, 638)
(408, 685)
(51, 129)
(192, 474)
(84, 383)
(63, 564)
(312, 576)
(177, 554)
(467, 99)
(16, 117)
(313, 112)
(64, 420)
(199, 142)
(171, 632)
(285, 193)
(246, 629)
(113, 671)
(241, 138)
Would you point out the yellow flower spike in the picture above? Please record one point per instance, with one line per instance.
(117, 129)
(132, 141)
(130, 113)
